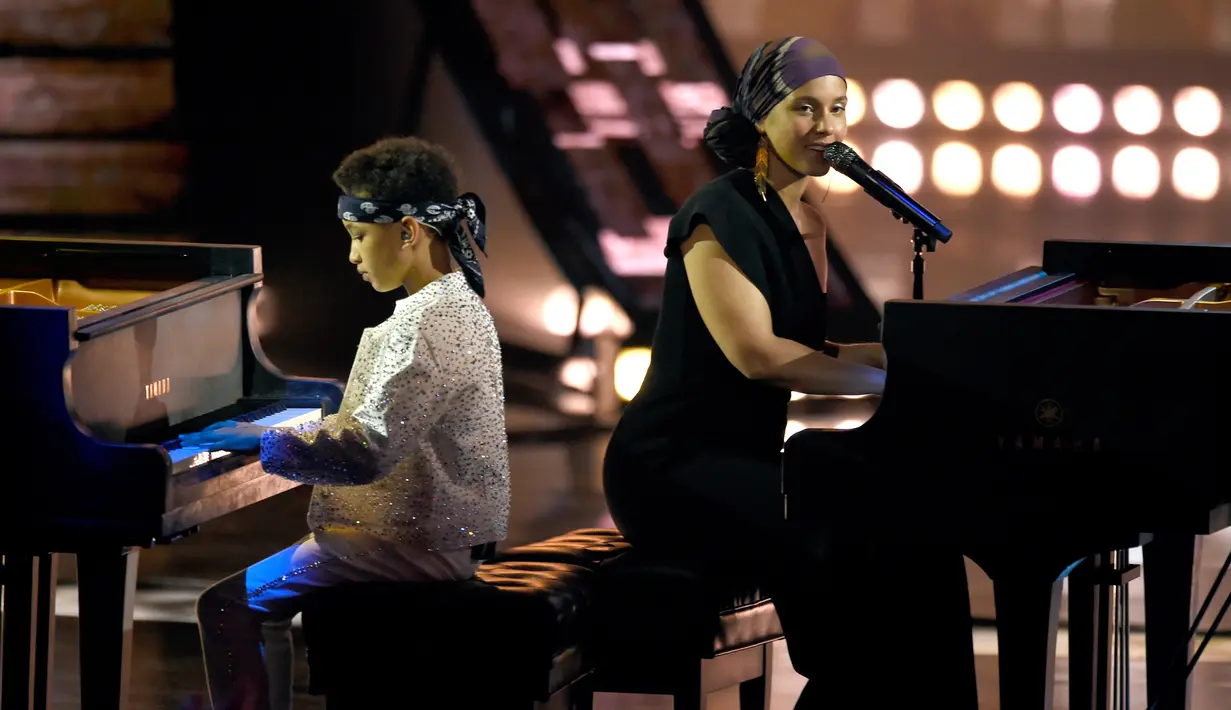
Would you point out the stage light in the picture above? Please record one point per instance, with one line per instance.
(1017, 171)
(597, 98)
(900, 161)
(957, 169)
(569, 55)
(898, 103)
(856, 102)
(1137, 109)
(1197, 110)
(1077, 108)
(630, 368)
(579, 373)
(1135, 172)
(600, 314)
(1018, 106)
(1195, 174)
(958, 105)
(560, 310)
(1076, 172)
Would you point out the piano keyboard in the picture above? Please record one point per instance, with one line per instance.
(188, 457)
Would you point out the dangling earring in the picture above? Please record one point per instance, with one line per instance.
(761, 171)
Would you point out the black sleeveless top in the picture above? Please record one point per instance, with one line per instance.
(693, 399)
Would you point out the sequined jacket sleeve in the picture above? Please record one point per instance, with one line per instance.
(405, 393)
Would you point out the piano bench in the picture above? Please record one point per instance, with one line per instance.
(659, 628)
(587, 547)
(507, 639)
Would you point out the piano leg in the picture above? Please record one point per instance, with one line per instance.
(1089, 626)
(1027, 619)
(45, 636)
(1171, 602)
(28, 644)
(107, 583)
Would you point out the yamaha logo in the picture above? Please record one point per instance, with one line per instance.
(1049, 413)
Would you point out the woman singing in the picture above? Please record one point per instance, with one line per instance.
(692, 471)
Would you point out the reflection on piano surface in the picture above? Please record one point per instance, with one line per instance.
(1042, 422)
(110, 351)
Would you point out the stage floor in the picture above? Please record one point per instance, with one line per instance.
(549, 496)
(167, 672)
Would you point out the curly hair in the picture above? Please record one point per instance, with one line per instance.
(408, 169)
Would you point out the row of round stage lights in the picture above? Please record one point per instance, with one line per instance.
(1019, 107)
(1016, 170)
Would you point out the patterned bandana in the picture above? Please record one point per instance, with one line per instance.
(446, 219)
(773, 71)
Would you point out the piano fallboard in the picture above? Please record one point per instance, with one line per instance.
(198, 502)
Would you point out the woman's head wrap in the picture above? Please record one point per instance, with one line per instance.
(773, 71)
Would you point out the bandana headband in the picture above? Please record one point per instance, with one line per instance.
(445, 218)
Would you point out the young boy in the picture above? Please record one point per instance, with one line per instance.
(413, 469)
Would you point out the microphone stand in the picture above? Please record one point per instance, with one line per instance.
(921, 242)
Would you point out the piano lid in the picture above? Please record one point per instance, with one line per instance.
(1139, 265)
(104, 279)
(107, 261)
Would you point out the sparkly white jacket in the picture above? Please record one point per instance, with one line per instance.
(418, 452)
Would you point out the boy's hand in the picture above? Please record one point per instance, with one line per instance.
(227, 436)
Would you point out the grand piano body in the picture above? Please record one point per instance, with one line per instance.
(1041, 422)
(108, 351)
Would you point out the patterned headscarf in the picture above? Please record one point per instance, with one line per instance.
(773, 71)
(446, 219)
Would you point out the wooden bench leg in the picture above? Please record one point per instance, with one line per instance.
(754, 694)
(690, 683)
(565, 699)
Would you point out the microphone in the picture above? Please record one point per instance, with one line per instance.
(845, 160)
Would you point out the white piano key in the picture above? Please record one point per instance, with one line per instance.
(292, 416)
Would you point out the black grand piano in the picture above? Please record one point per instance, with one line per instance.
(108, 351)
(1042, 424)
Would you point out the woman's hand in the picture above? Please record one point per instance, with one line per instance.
(227, 436)
(870, 354)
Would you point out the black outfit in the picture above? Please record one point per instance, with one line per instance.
(693, 473)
